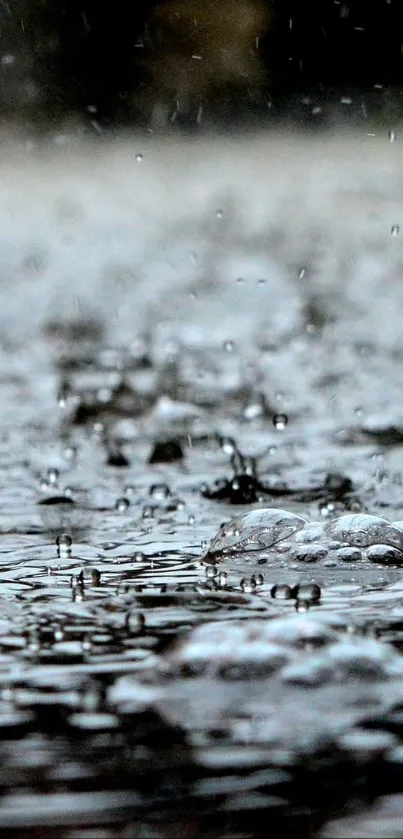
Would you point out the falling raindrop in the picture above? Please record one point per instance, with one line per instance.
(228, 346)
(139, 157)
(395, 230)
(219, 213)
(392, 136)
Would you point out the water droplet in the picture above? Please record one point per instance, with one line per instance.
(53, 475)
(138, 556)
(211, 571)
(395, 230)
(159, 491)
(139, 157)
(219, 213)
(248, 585)
(308, 591)
(281, 591)
(228, 445)
(64, 542)
(191, 519)
(258, 579)
(222, 578)
(148, 511)
(69, 452)
(301, 273)
(392, 136)
(129, 489)
(280, 421)
(122, 504)
(228, 346)
(302, 605)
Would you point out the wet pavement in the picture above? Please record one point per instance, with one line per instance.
(201, 488)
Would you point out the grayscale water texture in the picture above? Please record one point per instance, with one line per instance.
(201, 518)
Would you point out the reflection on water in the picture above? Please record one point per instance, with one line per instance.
(201, 518)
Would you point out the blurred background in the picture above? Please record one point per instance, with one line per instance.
(196, 65)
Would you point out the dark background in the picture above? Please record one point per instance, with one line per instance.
(119, 63)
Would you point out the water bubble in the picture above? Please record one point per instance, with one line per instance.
(255, 531)
(395, 229)
(281, 591)
(159, 491)
(139, 157)
(148, 511)
(122, 504)
(138, 556)
(280, 421)
(64, 542)
(258, 579)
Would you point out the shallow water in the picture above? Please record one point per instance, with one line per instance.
(236, 302)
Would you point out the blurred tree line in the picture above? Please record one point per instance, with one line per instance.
(199, 62)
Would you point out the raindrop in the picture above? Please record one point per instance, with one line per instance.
(395, 230)
(53, 476)
(308, 591)
(69, 452)
(222, 578)
(280, 421)
(228, 445)
(219, 213)
(281, 592)
(258, 579)
(122, 504)
(129, 489)
(248, 585)
(191, 519)
(392, 136)
(138, 556)
(64, 542)
(159, 491)
(228, 346)
(302, 273)
(148, 511)
(211, 571)
(139, 157)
